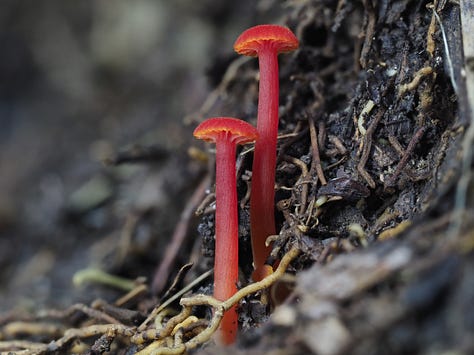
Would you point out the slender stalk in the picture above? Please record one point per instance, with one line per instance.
(262, 200)
(226, 261)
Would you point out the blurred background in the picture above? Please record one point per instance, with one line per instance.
(80, 80)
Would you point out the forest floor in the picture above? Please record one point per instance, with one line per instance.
(373, 195)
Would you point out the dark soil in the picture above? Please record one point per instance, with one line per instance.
(99, 170)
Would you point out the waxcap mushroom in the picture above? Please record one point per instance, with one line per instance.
(226, 133)
(241, 131)
(251, 40)
(265, 42)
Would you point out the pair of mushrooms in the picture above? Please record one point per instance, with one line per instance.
(266, 42)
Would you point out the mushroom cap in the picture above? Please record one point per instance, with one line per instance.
(237, 130)
(250, 41)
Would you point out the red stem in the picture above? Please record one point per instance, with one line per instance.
(226, 260)
(262, 200)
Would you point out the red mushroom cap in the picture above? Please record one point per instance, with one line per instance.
(240, 131)
(250, 41)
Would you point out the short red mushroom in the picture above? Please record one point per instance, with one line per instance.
(266, 42)
(226, 133)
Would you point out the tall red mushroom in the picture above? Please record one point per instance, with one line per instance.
(226, 133)
(266, 42)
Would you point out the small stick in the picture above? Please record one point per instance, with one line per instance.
(316, 161)
(303, 178)
(338, 144)
(406, 155)
(367, 144)
(370, 17)
(203, 205)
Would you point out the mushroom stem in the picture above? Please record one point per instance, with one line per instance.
(262, 199)
(226, 260)
(226, 132)
(265, 42)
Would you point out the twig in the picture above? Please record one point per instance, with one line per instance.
(316, 161)
(133, 294)
(302, 179)
(412, 174)
(295, 135)
(369, 32)
(340, 148)
(406, 155)
(367, 144)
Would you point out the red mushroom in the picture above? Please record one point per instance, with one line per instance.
(266, 42)
(226, 133)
